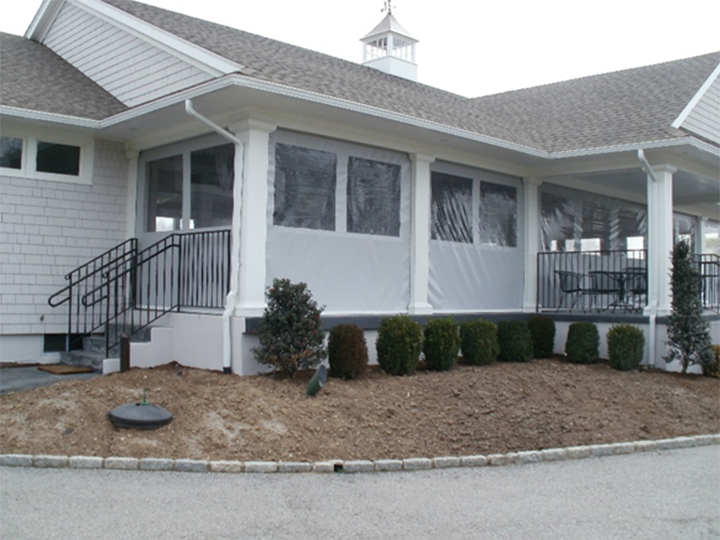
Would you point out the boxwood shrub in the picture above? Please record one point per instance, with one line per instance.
(542, 330)
(398, 345)
(626, 344)
(347, 351)
(479, 342)
(713, 369)
(515, 341)
(583, 342)
(441, 344)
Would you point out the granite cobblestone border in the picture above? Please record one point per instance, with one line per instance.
(355, 466)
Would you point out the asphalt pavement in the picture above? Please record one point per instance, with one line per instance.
(19, 379)
(651, 495)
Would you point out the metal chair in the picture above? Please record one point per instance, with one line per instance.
(607, 282)
(572, 284)
(636, 287)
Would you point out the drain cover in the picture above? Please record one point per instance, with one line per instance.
(140, 416)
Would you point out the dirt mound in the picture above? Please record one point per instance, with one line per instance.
(469, 410)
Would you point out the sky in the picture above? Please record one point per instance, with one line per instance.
(471, 47)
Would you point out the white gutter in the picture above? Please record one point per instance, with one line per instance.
(234, 238)
(651, 308)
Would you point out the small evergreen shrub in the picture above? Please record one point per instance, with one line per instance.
(626, 344)
(347, 351)
(479, 342)
(713, 369)
(515, 341)
(583, 342)
(542, 330)
(441, 344)
(398, 345)
(290, 333)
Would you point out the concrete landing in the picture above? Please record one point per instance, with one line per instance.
(19, 379)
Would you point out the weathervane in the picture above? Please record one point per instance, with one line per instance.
(387, 6)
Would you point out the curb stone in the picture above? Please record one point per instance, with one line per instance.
(356, 466)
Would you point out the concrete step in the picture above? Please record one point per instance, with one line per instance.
(89, 359)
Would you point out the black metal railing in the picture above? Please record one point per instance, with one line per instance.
(585, 281)
(709, 270)
(84, 320)
(181, 270)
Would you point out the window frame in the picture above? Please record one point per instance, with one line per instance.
(479, 176)
(183, 148)
(28, 163)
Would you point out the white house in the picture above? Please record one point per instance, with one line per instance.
(159, 170)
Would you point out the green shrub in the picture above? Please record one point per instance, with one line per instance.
(515, 341)
(626, 344)
(542, 330)
(290, 333)
(713, 368)
(398, 345)
(441, 344)
(347, 351)
(583, 342)
(479, 342)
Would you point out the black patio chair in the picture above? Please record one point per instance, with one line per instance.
(572, 284)
(636, 287)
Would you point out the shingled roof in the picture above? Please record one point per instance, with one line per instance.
(625, 107)
(631, 106)
(35, 78)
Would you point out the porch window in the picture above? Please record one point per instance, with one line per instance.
(191, 189)
(58, 158)
(684, 229)
(373, 197)
(451, 208)
(11, 149)
(305, 181)
(211, 186)
(165, 194)
(574, 220)
(498, 214)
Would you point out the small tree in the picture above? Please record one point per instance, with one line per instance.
(688, 332)
(291, 336)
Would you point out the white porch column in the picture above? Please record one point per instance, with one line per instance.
(420, 234)
(531, 188)
(251, 269)
(660, 236)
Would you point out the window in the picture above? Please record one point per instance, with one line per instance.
(451, 208)
(11, 152)
(192, 189)
(373, 197)
(211, 186)
(57, 158)
(498, 214)
(305, 181)
(165, 194)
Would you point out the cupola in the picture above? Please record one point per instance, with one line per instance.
(390, 48)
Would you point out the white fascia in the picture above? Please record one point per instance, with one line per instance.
(696, 98)
(314, 97)
(40, 116)
(209, 62)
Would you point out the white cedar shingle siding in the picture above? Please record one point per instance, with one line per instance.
(704, 119)
(48, 229)
(132, 70)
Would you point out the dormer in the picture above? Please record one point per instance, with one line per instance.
(390, 48)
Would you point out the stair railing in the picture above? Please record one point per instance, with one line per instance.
(82, 320)
(181, 270)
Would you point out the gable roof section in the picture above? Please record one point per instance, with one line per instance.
(36, 79)
(625, 107)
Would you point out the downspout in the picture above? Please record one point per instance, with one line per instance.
(232, 295)
(652, 313)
